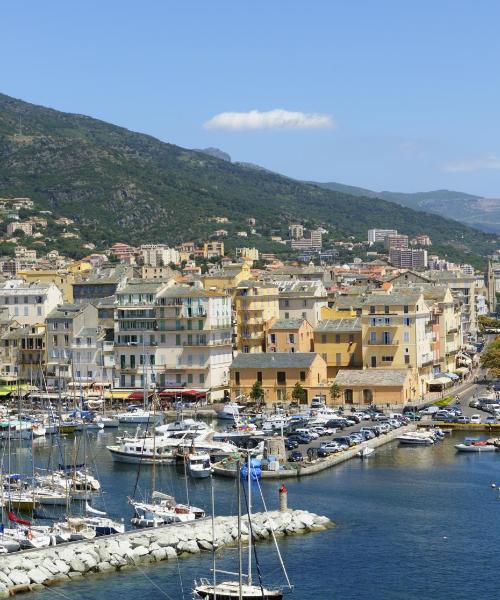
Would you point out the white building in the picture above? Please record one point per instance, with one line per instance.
(157, 255)
(29, 303)
(302, 300)
(378, 235)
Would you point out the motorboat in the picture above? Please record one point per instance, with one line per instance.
(140, 417)
(366, 452)
(475, 445)
(184, 426)
(416, 438)
(104, 525)
(108, 421)
(229, 411)
(14, 429)
(163, 510)
(198, 465)
(230, 590)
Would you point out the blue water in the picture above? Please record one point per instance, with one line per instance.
(412, 523)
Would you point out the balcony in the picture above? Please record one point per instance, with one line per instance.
(383, 343)
(227, 342)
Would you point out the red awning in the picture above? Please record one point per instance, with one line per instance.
(137, 396)
(182, 394)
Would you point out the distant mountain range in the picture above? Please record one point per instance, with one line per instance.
(119, 185)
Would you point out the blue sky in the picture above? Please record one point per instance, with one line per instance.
(395, 95)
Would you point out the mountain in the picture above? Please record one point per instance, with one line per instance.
(216, 153)
(121, 185)
(482, 213)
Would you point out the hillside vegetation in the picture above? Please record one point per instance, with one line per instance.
(121, 185)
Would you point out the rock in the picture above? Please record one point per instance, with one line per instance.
(104, 566)
(204, 545)
(4, 579)
(51, 567)
(66, 554)
(139, 541)
(88, 559)
(103, 552)
(306, 519)
(37, 575)
(170, 552)
(154, 546)
(159, 554)
(62, 566)
(18, 577)
(140, 551)
(191, 547)
(77, 565)
(75, 575)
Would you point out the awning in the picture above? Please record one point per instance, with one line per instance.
(441, 380)
(117, 395)
(452, 376)
(462, 370)
(137, 396)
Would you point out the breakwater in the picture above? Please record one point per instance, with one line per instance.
(34, 569)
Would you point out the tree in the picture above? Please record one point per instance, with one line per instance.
(490, 358)
(257, 391)
(299, 393)
(335, 392)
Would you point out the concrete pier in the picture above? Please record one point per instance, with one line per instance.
(35, 569)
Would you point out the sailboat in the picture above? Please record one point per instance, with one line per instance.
(238, 589)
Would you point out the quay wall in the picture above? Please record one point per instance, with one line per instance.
(32, 570)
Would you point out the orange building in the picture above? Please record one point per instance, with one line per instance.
(290, 335)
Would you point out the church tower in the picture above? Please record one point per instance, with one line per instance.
(491, 288)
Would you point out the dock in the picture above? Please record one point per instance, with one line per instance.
(227, 467)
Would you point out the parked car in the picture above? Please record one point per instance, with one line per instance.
(301, 439)
(475, 419)
(295, 456)
(335, 424)
(368, 434)
(491, 420)
(413, 416)
(332, 446)
(429, 410)
(324, 452)
(463, 419)
(346, 441)
(474, 403)
(291, 444)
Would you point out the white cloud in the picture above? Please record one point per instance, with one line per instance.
(476, 164)
(271, 119)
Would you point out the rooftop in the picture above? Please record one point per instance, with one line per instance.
(287, 324)
(274, 360)
(388, 377)
(351, 324)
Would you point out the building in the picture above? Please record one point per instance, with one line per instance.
(278, 372)
(397, 332)
(423, 240)
(194, 339)
(256, 307)
(378, 235)
(25, 226)
(29, 303)
(313, 242)
(296, 231)
(383, 387)
(24, 352)
(74, 347)
(213, 249)
(164, 273)
(302, 300)
(290, 335)
(248, 253)
(63, 279)
(227, 278)
(158, 255)
(123, 252)
(408, 258)
(395, 241)
(339, 342)
(101, 283)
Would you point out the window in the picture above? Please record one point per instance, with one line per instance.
(25, 311)
(177, 339)
(387, 358)
(286, 303)
(89, 374)
(132, 381)
(407, 359)
(190, 378)
(338, 358)
(246, 349)
(291, 338)
(287, 315)
(373, 361)
(66, 340)
(386, 310)
(151, 359)
(348, 396)
(259, 376)
(351, 338)
(132, 361)
(66, 325)
(237, 377)
(337, 338)
(304, 303)
(406, 336)
(372, 312)
(281, 377)
(407, 321)
(122, 361)
(178, 378)
(373, 337)
(323, 338)
(373, 321)
(200, 324)
(273, 338)
(89, 341)
(386, 337)
(304, 315)
(78, 374)
(54, 325)
(405, 309)
(367, 396)
(387, 320)
(302, 376)
(202, 378)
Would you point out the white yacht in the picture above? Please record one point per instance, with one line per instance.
(229, 411)
(140, 417)
(163, 510)
(416, 438)
(198, 465)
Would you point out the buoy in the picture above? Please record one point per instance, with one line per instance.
(493, 485)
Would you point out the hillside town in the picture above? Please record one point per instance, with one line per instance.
(198, 324)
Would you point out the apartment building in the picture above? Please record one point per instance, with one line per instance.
(158, 255)
(213, 249)
(29, 303)
(378, 235)
(194, 339)
(339, 343)
(296, 231)
(302, 300)
(74, 347)
(408, 258)
(25, 226)
(290, 335)
(24, 354)
(397, 333)
(62, 278)
(399, 241)
(278, 373)
(256, 306)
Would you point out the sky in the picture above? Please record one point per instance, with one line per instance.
(387, 95)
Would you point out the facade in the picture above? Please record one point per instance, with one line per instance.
(24, 354)
(383, 387)
(158, 255)
(278, 373)
(290, 335)
(339, 342)
(397, 333)
(378, 235)
(74, 347)
(213, 249)
(409, 258)
(29, 303)
(256, 306)
(24, 226)
(399, 241)
(296, 231)
(63, 279)
(302, 300)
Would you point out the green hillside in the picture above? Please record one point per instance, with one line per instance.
(121, 185)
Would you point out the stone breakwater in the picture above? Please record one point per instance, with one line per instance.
(35, 569)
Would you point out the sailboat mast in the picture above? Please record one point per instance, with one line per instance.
(240, 553)
(212, 492)
(249, 523)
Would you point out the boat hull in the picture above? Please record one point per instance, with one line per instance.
(132, 459)
(471, 448)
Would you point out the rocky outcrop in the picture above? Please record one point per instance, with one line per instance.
(31, 570)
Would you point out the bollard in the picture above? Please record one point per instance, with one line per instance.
(283, 498)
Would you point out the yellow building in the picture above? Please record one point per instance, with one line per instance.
(339, 342)
(62, 279)
(397, 332)
(256, 306)
(290, 335)
(278, 373)
(383, 387)
(334, 313)
(227, 279)
(79, 267)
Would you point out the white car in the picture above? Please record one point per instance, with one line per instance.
(475, 419)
